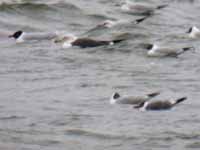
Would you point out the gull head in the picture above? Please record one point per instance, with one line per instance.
(106, 24)
(65, 39)
(16, 34)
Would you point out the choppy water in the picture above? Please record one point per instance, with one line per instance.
(57, 99)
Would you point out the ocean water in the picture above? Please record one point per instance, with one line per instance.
(58, 99)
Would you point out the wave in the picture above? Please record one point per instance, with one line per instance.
(95, 134)
(13, 117)
(32, 5)
(8, 6)
(183, 136)
(30, 15)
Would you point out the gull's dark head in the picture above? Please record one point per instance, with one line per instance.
(16, 35)
(190, 30)
(116, 95)
(148, 46)
(106, 24)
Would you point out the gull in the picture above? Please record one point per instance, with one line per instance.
(21, 36)
(132, 100)
(140, 8)
(112, 23)
(71, 40)
(159, 105)
(156, 51)
(193, 32)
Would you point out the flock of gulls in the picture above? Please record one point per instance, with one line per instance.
(153, 50)
(143, 103)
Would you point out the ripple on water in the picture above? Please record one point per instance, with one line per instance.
(79, 132)
(194, 145)
(11, 118)
(183, 136)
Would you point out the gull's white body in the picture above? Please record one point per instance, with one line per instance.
(157, 51)
(35, 36)
(132, 100)
(137, 7)
(195, 33)
(68, 43)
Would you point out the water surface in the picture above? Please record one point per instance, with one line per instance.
(57, 99)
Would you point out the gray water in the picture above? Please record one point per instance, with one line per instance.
(58, 99)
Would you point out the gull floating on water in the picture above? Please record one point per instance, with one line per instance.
(21, 36)
(193, 32)
(132, 100)
(140, 8)
(71, 40)
(112, 23)
(156, 51)
(159, 105)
